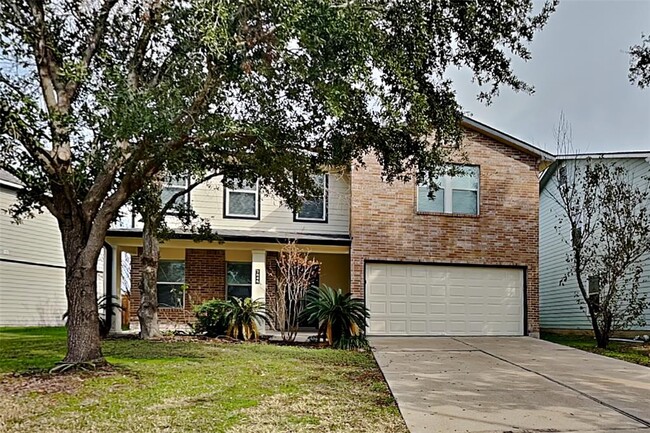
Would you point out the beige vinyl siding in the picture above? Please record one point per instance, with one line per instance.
(31, 295)
(32, 275)
(560, 305)
(208, 201)
(34, 240)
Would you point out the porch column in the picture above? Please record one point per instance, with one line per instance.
(116, 324)
(259, 279)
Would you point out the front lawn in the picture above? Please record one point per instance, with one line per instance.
(636, 353)
(183, 386)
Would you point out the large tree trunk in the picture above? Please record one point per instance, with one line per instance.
(81, 253)
(148, 311)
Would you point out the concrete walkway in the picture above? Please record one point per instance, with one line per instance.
(518, 384)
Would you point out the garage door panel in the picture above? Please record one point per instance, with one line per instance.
(418, 289)
(417, 326)
(418, 308)
(444, 300)
(397, 327)
(378, 307)
(378, 288)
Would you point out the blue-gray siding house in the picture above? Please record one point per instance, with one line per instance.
(560, 305)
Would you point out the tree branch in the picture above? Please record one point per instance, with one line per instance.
(45, 63)
(94, 39)
(189, 188)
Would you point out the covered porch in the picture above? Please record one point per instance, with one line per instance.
(190, 273)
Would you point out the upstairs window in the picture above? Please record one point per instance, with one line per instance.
(315, 209)
(174, 185)
(457, 194)
(242, 201)
(171, 282)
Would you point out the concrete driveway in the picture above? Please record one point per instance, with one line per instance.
(511, 384)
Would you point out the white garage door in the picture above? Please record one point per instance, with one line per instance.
(409, 299)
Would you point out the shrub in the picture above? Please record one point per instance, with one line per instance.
(341, 318)
(358, 342)
(243, 317)
(237, 318)
(211, 318)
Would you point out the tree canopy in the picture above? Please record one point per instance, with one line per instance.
(97, 97)
(640, 63)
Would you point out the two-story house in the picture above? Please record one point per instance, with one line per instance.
(32, 265)
(463, 263)
(562, 306)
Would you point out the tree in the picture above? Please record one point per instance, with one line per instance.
(148, 202)
(605, 220)
(97, 97)
(640, 63)
(293, 275)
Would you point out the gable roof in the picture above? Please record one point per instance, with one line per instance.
(9, 180)
(546, 176)
(606, 155)
(506, 139)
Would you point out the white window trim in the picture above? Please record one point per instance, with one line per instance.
(173, 283)
(324, 218)
(247, 191)
(448, 195)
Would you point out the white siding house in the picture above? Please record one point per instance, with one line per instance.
(32, 271)
(208, 201)
(560, 306)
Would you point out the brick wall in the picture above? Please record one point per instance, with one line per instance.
(385, 224)
(205, 276)
(271, 270)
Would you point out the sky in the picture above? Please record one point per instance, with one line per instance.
(579, 66)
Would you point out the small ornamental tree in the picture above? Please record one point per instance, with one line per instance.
(98, 97)
(294, 273)
(604, 217)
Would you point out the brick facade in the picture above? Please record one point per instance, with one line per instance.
(205, 277)
(385, 225)
(271, 270)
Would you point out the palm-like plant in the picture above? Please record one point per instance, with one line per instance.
(243, 318)
(339, 315)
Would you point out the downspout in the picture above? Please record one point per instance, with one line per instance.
(108, 287)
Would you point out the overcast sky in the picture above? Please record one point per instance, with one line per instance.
(579, 66)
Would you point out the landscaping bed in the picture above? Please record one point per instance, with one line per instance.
(631, 352)
(191, 385)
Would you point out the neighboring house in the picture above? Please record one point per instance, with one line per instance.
(560, 306)
(32, 268)
(465, 263)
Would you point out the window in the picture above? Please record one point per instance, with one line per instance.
(315, 210)
(242, 201)
(238, 280)
(171, 282)
(171, 186)
(594, 289)
(456, 194)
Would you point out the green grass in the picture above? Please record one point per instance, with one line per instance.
(636, 353)
(184, 386)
